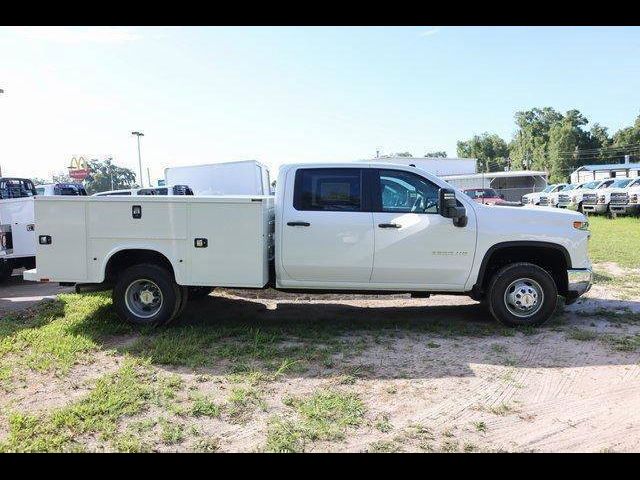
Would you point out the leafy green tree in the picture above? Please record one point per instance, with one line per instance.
(627, 137)
(106, 176)
(438, 154)
(491, 151)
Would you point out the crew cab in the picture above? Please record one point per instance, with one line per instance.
(624, 200)
(541, 198)
(17, 236)
(612, 195)
(337, 227)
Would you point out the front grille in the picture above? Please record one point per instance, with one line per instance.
(563, 198)
(590, 198)
(544, 200)
(619, 198)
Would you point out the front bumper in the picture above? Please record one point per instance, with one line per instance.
(579, 282)
(628, 209)
(597, 208)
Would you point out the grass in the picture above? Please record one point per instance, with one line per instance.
(124, 393)
(615, 240)
(204, 407)
(325, 415)
(581, 335)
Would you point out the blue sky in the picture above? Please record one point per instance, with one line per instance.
(279, 95)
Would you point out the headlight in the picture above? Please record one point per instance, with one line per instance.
(3, 241)
(602, 199)
(574, 199)
(581, 225)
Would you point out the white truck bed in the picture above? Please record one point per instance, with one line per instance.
(86, 232)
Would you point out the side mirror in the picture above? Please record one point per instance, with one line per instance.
(448, 207)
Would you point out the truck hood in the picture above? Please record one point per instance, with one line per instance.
(511, 215)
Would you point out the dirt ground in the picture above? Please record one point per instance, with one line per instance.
(552, 389)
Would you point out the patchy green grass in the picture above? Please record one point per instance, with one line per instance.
(124, 393)
(204, 407)
(615, 240)
(325, 415)
(582, 335)
(57, 335)
(384, 446)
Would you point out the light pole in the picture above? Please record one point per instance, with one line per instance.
(139, 134)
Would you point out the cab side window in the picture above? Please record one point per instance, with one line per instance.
(406, 192)
(328, 189)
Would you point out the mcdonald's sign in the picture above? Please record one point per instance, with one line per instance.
(79, 168)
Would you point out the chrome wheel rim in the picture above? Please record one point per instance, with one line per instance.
(524, 297)
(143, 298)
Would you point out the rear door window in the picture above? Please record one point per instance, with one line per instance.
(328, 189)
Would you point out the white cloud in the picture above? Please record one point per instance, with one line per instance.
(428, 33)
(79, 34)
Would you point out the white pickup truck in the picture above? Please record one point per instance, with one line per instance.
(355, 227)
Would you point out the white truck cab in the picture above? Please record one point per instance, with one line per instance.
(17, 235)
(541, 198)
(73, 189)
(596, 200)
(624, 197)
(588, 189)
(561, 198)
(349, 227)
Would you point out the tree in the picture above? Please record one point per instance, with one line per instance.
(438, 154)
(490, 150)
(563, 139)
(106, 176)
(627, 137)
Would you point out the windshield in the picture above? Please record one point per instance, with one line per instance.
(481, 192)
(591, 185)
(621, 183)
(548, 189)
(606, 184)
(570, 187)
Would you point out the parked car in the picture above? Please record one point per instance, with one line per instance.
(332, 227)
(624, 201)
(536, 198)
(17, 236)
(72, 189)
(578, 194)
(486, 196)
(595, 201)
(561, 198)
(166, 190)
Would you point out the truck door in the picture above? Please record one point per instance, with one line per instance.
(414, 244)
(327, 227)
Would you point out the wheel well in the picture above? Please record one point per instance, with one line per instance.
(123, 259)
(552, 259)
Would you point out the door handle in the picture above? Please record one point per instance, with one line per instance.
(298, 224)
(389, 225)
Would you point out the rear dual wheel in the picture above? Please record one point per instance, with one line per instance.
(147, 295)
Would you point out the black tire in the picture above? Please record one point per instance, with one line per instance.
(161, 282)
(6, 270)
(184, 298)
(580, 210)
(196, 293)
(527, 280)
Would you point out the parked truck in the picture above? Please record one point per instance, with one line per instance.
(17, 236)
(624, 200)
(352, 227)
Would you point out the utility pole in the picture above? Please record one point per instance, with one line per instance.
(148, 176)
(139, 134)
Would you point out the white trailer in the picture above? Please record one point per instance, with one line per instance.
(247, 177)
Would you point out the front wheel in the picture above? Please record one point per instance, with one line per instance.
(522, 294)
(146, 295)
